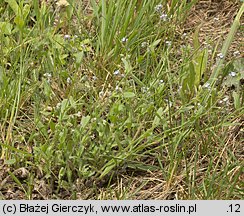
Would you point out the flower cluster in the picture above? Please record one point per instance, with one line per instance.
(220, 55)
(232, 74)
(48, 77)
(124, 40)
(158, 8)
(207, 86)
(144, 44)
(163, 16)
(117, 73)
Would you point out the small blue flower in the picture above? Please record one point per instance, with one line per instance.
(48, 75)
(220, 55)
(118, 89)
(67, 37)
(144, 44)
(69, 80)
(94, 78)
(206, 85)
(116, 72)
(164, 17)
(144, 89)
(158, 8)
(232, 74)
(124, 40)
(168, 43)
(161, 81)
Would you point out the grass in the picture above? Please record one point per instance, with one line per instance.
(115, 103)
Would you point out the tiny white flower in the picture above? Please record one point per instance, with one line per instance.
(232, 74)
(168, 102)
(93, 136)
(144, 89)
(69, 80)
(216, 18)
(144, 44)
(124, 40)
(58, 105)
(67, 37)
(118, 89)
(158, 8)
(220, 55)
(83, 46)
(163, 17)
(168, 43)
(48, 75)
(206, 85)
(79, 114)
(184, 35)
(161, 81)
(94, 78)
(93, 119)
(116, 72)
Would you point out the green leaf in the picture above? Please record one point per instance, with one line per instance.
(10, 161)
(52, 126)
(79, 56)
(200, 65)
(196, 42)
(19, 21)
(72, 102)
(6, 28)
(14, 6)
(188, 82)
(129, 94)
(70, 11)
(109, 166)
(61, 173)
(64, 105)
(127, 65)
(237, 100)
(84, 121)
(16, 180)
(158, 117)
(155, 43)
(143, 167)
(239, 65)
(26, 11)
